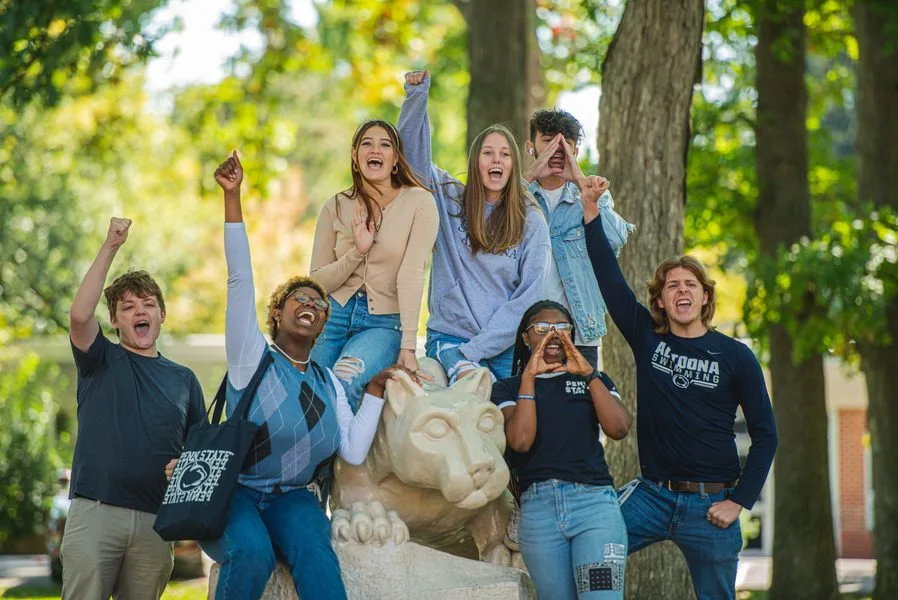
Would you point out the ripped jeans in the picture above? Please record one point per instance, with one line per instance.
(357, 345)
(573, 540)
(443, 347)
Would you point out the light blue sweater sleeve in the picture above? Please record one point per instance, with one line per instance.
(414, 130)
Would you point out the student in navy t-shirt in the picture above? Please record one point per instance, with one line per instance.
(134, 409)
(690, 380)
(572, 536)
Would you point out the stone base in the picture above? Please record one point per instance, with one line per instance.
(409, 571)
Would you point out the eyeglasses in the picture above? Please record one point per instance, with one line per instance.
(304, 298)
(542, 328)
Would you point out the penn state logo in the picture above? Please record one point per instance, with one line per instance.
(681, 381)
(194, 476)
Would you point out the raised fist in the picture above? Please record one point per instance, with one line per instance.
(415, 77)
(118, 232)
(229, 174)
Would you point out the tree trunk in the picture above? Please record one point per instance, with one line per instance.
(647, 80)
(501, 47)
(877, 167)
(803, 544)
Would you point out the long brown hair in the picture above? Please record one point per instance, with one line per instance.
(656, 287)
(505, 227)
(402, 176)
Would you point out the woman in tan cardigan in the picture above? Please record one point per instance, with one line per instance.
(372, 242)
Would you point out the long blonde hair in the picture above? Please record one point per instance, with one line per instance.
(505, 227)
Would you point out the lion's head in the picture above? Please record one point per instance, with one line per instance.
(449, 439)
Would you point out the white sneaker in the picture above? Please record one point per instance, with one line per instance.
(511, 532)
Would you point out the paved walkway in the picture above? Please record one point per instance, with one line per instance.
(855, 575)
(16, 570)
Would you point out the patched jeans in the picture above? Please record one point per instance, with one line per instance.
(357, 345)
(653, 513)
(444, 348)
(261, 527)
(573, 541)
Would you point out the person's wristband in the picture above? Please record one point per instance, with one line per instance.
(594, 375)
(526, 397)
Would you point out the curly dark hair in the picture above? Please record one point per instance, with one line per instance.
(279, 297)
(556, 121)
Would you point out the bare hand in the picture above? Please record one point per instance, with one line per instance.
(409, 361)
(591, 190)
(229, 174)
(415, 77)
(593, 187)
(118, 232)
(576, 363)
(537, 364)
(170, 468)
(723, 513)
(378, 383)
(362, 232)
(571, 170)
(540, 168)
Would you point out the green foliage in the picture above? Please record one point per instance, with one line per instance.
(851, 273)
(44, 44)
(28, 459)
(64, 172)
(574, 36)
(832, 284)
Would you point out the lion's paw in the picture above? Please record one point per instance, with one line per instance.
(367, 523)
(517, 561)
(498, 555)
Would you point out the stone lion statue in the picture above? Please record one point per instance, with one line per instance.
(436, 465)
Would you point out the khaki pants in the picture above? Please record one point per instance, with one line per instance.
(112, 551)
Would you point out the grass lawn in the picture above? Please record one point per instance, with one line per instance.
(188, 589)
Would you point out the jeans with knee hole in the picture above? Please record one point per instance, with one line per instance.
(444, 348)
(261, 527)
(573, 540)
(654, 513)
(357, 345)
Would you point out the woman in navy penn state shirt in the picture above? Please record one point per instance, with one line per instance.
(572, 535)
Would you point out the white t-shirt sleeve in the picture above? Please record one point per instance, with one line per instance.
(244, 342)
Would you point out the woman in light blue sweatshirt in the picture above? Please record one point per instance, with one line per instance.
(492, 249)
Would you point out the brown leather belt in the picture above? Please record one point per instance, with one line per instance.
(695, 487)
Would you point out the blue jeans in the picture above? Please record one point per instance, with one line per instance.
(573, 540)
(444, 348)
(357, 345)
(291, 524)
(653, 513)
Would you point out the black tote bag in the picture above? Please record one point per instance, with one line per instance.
(196, 502)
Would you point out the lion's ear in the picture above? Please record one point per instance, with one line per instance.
(400, 390)
(479, 383)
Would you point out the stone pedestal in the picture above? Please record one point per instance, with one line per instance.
(409, 572)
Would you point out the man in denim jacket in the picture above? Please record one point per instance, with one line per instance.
(556, 182)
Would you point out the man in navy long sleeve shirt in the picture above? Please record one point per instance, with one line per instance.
(690, 379)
